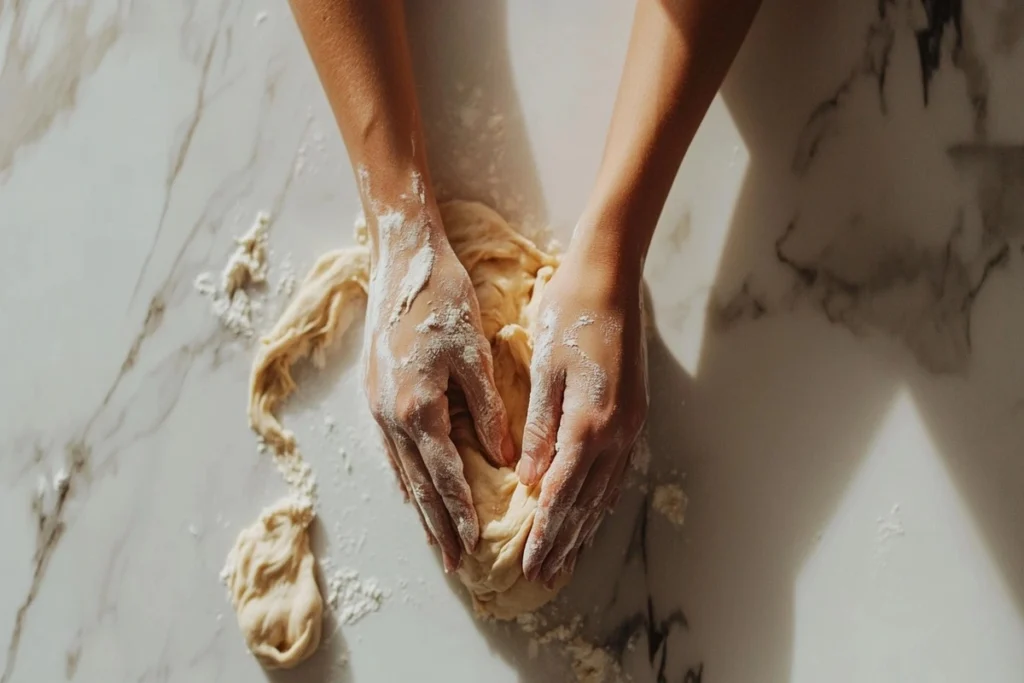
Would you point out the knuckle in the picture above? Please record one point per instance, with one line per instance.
(414, 411)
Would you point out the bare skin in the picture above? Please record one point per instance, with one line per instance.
(678, 55)
(589, 397)
(362, 57)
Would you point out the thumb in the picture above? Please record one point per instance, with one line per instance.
(542, 418)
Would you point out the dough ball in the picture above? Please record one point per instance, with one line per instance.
(271, 576)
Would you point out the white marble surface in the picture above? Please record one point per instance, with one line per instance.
(838, 284)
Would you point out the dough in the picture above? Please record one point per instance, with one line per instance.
(324, 306)
(271, 576)
(509, 273)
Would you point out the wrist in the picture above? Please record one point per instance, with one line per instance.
(611, 243)
(399, 204)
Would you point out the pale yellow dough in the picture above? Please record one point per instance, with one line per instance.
(271, 576)
(509, 273)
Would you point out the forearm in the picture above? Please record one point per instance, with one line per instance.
(678, 56)
(361, 54)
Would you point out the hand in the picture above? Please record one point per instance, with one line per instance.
(588, 402)
(423, 324)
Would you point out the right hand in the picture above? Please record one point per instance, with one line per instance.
(417, 343)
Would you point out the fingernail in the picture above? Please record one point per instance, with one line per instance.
(526, 470)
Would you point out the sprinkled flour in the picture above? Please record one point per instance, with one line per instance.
(246, 268)
(350, 597)
(670, 501)
(589, 663)
(287, 280)
(890, 528)
(297, 474)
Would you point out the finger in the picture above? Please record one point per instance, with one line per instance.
(473, 370)
(589, 501)
(389, 450)
(403, 484)
(570, 562)
(614, 490)
(542, 423)
(429, 501)
(590, 528)
(558, 492)
(445, 467)
(564, 543)
(429, 425)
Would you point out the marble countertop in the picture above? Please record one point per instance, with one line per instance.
(837, 378)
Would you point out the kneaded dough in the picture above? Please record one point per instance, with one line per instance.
(271, 576)
(509, 273)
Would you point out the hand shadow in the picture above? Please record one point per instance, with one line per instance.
(797, 369)
(811, 336)
(477, 142)
(832, 299)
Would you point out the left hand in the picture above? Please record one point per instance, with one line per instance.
(588, 402)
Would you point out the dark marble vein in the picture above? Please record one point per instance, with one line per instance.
(71, 658)
(943, 15)
(50, 529)
(172, 373)
(39, 90)
(647, 621)
(872, 278)
(873, 64)
(745, 305)
(191, 124)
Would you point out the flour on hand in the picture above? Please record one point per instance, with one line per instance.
(510, 272)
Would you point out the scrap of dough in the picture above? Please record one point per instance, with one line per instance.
(509, 273)
(323, 307)
(271, 576)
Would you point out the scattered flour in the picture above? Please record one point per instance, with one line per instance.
(641, 459)
(670, 501)
(297, 473)
(246, 268)
(589, 663)
(259, 18)
(330, 424)
(350, 597)
(248, 264)
(592, 374)
(287, 280)
(890, 527)
(476, 128)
